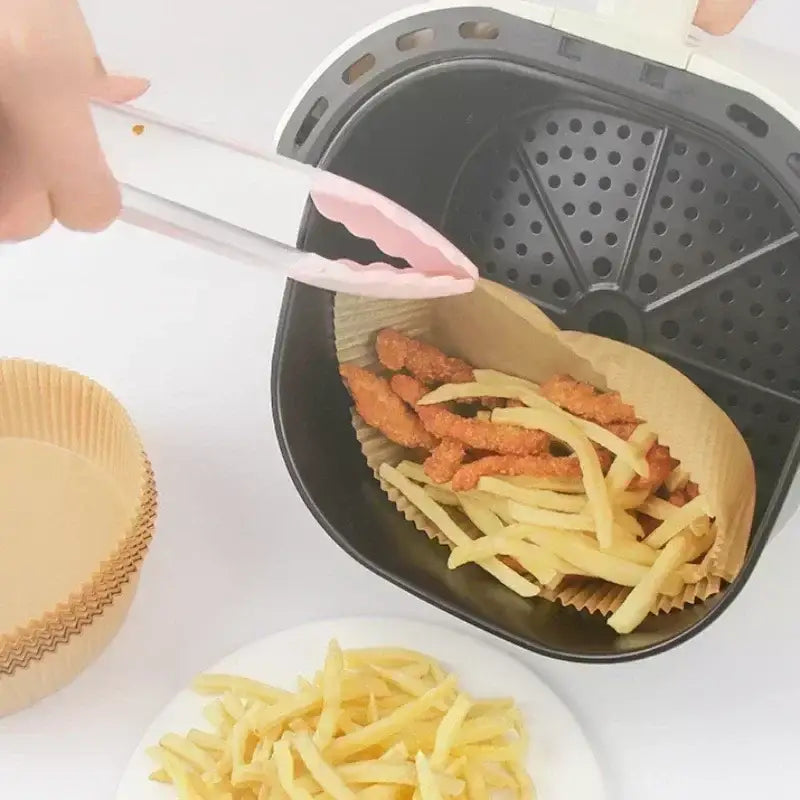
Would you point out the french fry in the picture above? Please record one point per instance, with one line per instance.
(621, 473)
(492, 377)
(562, 429)
(331, 696)
(678, 522)
(428, 790)
(322, 772)
(448, 730)
(533, 559)
(551, 519)
(241, 687)
(677, 479)
(636, 605)
(459, 391)
(539, 498)
(562, 485)
(658, 509)
(282, 756)
(436, 514)
(483, 518)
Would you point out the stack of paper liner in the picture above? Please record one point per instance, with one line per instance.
(77, 511)
(495, 328)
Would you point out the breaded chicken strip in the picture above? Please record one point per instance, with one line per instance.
(585, 401)
(425, 362)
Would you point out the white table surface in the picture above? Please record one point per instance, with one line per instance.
(184, 339)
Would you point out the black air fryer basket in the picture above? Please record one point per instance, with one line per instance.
(624, 196)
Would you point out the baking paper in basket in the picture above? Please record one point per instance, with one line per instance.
(495, 328)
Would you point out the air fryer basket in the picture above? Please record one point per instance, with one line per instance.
(623, 197)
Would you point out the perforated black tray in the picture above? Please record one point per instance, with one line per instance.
(622, 196)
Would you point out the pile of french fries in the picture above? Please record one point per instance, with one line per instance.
(378, 724)
(554, 528)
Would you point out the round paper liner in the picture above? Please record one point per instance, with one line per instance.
(51, 405)
(498, 329)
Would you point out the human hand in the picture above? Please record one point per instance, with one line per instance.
(51, 164)
(721, 16)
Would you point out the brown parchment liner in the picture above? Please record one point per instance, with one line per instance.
(48, 404)
(495, 328)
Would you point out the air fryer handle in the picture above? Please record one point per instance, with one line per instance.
(664, 18)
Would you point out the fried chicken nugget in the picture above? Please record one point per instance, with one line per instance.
(442, 463)
(681, 497)
(476, 434)
(396, 351)
(381, 408)
(585, 401)
(536, 466)
(661, 464)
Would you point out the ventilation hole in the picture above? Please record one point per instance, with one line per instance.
(691, 213)
(680, 148)
(794, 385)
(698, 186)
(571, 48)
(604, 184)
(622, 214)
(509, 220)
(552, 127)
(709, 258)
(624, 132)
(513, 175)
(728, 170)
(670, 329)
(727, 326)
(748, 120)
(499, 243)
(575, 125)
(512, 274)
(659, 228)
(648, 283)
(599, 127)
(782, 323)
(542, 158)
(631, 189)
(720, 354)
(562, 288)
(491, 267)
(673, 176)
(696, 341)
(522, 249)
(776, 350)
(359, 68)
(677, 270)
(548, 258)
(614, 158)
(554, 182)
(535, 279)
(784, 295)
(611, 239)
(656, 255)
(779, 269)
(579, 179)
(685, 240)
(601, 267)
(478, 30)
(565, 153)
(648, 138)
(704, 158)
(595, 209)
(411, 41)
(497, 193)
(793, 162)
(536, 227)
(639, 164)
(586, 237)
(745, 365)
(667, 202)
(590, 153)
(737, 246)
(569, 209)
(722, 198)
(524, 199)
(726, 296)
(751, 337)
(310, 121)
(716, 226)
(699, 315)
(530, 134)
(750, 183)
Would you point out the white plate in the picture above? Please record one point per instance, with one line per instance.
(560, 761)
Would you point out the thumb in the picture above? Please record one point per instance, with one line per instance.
(117, 88)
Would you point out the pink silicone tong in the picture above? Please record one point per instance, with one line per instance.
(251, 206)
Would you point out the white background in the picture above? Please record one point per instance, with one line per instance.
(185, 339)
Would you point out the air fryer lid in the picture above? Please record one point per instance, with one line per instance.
(620, 196)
